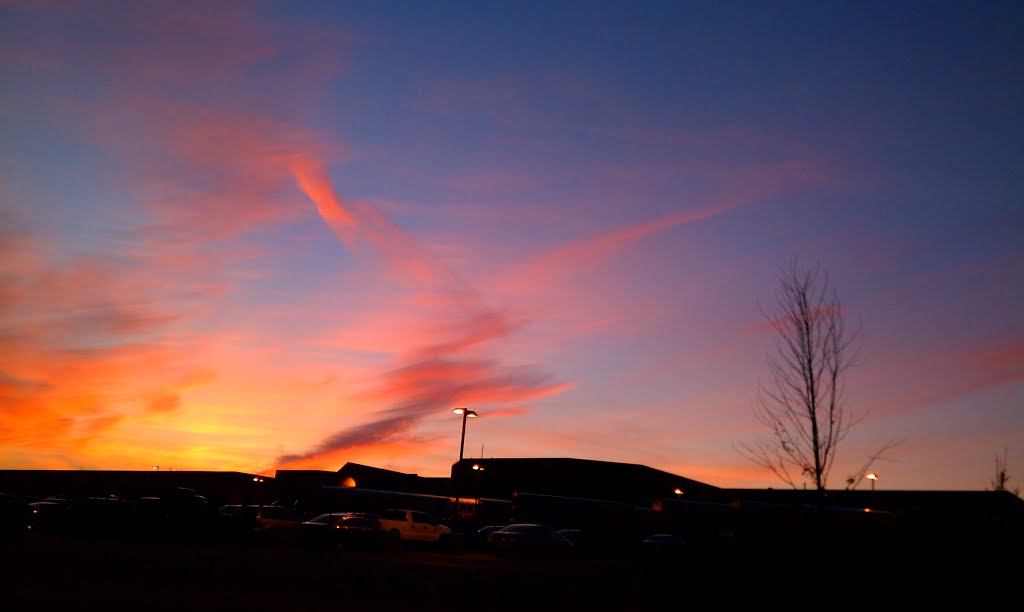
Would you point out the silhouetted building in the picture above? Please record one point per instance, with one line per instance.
(893, 501)
(303, 487)
(294, 486)
(218, 487)
(583, 478)
(367, 477)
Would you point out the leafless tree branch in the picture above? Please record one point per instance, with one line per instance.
(803, 406)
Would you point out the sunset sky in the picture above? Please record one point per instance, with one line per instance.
(251, 236)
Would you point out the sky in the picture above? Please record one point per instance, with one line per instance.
(277, 235)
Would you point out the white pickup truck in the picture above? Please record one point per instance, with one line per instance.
(412, 525)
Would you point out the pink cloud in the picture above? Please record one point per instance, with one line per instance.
(584, 253)
(418, 389)
(951, 372)
(314, 182)
(780, 321)
(356, 222)
(435, 371)
(508, 412)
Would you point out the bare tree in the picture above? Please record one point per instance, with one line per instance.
(803, 406)
(1001, 480)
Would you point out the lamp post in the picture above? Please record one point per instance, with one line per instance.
(872, 477)
(466, 414)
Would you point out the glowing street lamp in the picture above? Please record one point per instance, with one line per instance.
(872, 477)
(466, 414)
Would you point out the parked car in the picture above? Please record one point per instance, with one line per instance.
(355, 529)
(583, 541)
(108, 514)
(478, 538)
(227, 509)
(412, 526)
(664, 546)
(278, 524)
(529, 538)
(46, 515)
(237, 522)
(486, 529)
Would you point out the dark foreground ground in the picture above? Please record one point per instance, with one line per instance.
(72, 572)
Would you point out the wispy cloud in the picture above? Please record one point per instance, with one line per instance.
(438, 370)
(358, 222)
(584, 253)
(952, 371)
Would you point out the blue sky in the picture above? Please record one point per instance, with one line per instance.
(248, 237)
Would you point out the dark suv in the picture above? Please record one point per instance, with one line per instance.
(354, 529)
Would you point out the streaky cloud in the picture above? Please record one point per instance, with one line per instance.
(579, 254)
(436, 372)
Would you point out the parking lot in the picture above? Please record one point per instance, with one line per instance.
(131, 571)
(78, 571)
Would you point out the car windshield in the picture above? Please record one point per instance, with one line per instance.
(324, 519)
(522, 528)
(275, 512)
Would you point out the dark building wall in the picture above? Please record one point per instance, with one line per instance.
(301, 487)
(893, 501)
(367, 477)
(218, 487)
(602, 480)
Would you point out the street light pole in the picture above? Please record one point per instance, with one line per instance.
(466, 414)
(872, 477)
(462, 444)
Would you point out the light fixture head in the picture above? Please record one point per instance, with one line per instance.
(872, 476)
(471, 414)
(459, 410)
